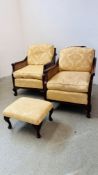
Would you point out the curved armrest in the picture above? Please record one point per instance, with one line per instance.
(51, 71)
(93, 67)
(19, 65)
(46, 66)
(91, 79)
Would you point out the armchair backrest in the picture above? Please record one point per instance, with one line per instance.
(76, 59)
(40, 54)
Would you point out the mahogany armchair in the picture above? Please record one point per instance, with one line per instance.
(29, 73)
(70, 80)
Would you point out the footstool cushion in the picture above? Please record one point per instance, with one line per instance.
(29, 110)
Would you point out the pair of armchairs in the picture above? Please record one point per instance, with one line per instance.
(69, 80)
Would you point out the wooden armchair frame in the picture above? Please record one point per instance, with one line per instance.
(53, 70)
(23, 63)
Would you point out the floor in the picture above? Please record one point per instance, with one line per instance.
(69, 144)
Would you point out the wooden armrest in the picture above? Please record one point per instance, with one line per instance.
(51, 71)
(46, 66)
(93, 67)
(19, 65)
(91, 78)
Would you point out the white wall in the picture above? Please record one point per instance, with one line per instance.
(61, 22)
(11, 39)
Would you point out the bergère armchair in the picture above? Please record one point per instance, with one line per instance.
(29, 72)
(70, 80)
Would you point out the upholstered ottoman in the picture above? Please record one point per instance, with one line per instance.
(29, 110)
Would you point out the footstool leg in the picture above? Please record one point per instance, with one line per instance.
(8, 121)
(38, 127)
(50, 113)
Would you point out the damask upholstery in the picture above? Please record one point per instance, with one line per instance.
(29, 110)
(76, 59)
(29, 83)
(40, 54)
(29, 73)
(70, 81)
(64, 96)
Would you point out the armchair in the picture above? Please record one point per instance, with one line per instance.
(29, 73)
(70, 80)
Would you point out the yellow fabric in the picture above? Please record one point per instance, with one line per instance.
(30, 71)
(29, 110)
(28, 83)
(72, 97)
(40, 54)
(76, 59)
(70, 81)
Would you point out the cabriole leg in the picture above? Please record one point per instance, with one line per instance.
(8, 121)
(50, 113)
(38, 127)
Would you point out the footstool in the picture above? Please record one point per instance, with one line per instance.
(29, 110)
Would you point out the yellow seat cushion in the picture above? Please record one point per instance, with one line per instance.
(72, 97)
(29, 110)
(70, 81)
(40, 54)
(30, 71)
(76, 59)
(28, 83)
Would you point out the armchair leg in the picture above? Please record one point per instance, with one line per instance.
(45, 95)
(15, 91)
(88, 111)
(8, 121)
(50, 113)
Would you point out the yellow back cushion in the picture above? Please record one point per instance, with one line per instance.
(40, 54)
(76, 59)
